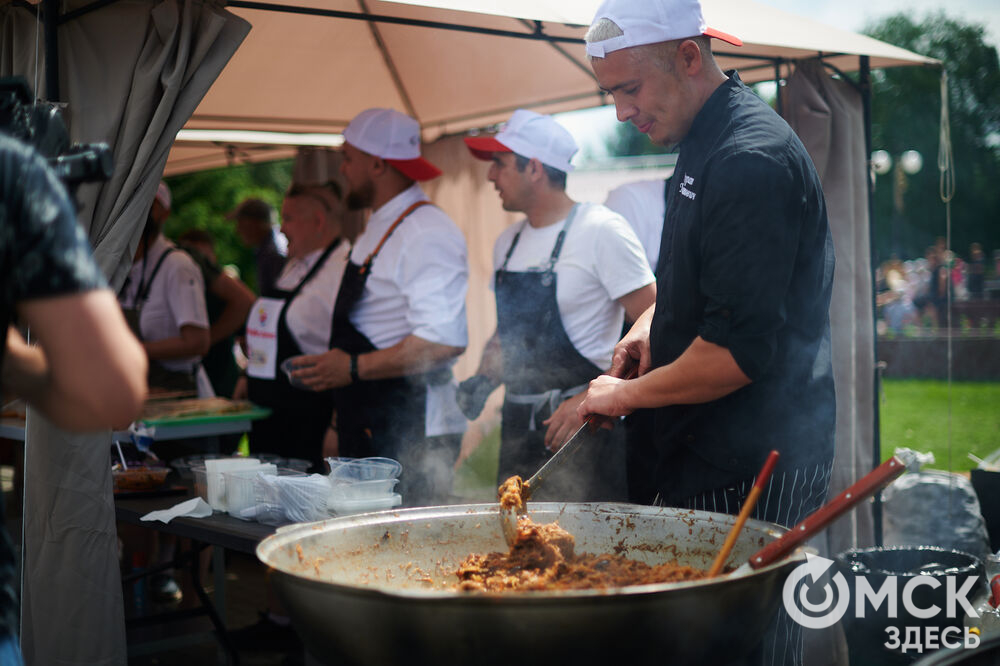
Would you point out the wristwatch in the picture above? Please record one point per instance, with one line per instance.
(354, 369)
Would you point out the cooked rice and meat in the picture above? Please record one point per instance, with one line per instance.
(543, 557)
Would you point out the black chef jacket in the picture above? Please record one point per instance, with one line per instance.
(746, 262)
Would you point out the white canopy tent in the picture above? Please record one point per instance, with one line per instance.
(310, 66)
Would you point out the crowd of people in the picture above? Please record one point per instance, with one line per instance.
(916, 293)
(351, 344)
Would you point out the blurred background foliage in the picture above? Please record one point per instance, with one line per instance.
(202, 199)
(906, 112)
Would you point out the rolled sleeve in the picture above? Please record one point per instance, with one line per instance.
(434, 278)
(187, 292)
(748, 247)
(621, 262)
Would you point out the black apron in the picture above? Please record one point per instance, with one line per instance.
(158, 376)
(299, 417)
(383, 417)
(541, 368)
(641, 456)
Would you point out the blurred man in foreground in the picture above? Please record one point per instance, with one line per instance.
(87, 372)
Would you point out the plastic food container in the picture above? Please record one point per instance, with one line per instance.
(362, 490)
(200, 481)
(276, 498)
(240, 489)
(185, 465)
(297, 464)
(139, 478)
(183, 468)
(363, 469)
(351, 507)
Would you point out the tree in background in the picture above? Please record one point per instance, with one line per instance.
(906, 112)
(201, 201)
(905, 116)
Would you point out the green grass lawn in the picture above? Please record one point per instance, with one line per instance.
(924, 415)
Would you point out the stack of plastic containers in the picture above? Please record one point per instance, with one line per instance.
(360, 485)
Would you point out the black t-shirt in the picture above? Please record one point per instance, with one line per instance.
(43, 253)
(746, 262)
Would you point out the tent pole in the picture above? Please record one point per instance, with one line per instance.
(864, 80)
(779, 102)
(50, 17)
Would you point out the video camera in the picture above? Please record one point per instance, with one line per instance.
(40, 124)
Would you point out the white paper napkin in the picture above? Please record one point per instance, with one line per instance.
(192, 508)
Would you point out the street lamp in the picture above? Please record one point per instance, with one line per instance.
(909, 163)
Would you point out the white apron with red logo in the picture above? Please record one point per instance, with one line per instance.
(262, 337)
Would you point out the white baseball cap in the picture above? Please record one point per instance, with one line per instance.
(163, 195)
(393, 136)
(652, 21)
(530, 135)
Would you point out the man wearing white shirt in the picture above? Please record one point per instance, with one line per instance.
(295, 318)
(400, 315)
(643, 204)
(163, 299)
(566, 276)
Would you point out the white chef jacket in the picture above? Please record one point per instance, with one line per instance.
(418, 281)
(417, 286)
(643, 206)
(176, 298)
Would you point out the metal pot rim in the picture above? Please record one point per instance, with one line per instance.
(287, 535)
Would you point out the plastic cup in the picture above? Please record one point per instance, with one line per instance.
(288, 366)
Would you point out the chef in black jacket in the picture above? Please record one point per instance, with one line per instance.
(735, 355)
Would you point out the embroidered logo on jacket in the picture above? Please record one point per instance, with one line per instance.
(688, 180)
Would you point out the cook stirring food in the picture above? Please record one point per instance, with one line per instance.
(735, 355)
(399, 319)
(565, 278)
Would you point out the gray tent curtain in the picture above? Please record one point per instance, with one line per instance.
(827, 115)
(131, 78)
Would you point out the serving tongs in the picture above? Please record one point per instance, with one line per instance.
(509, 515)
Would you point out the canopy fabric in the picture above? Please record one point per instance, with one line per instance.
(312, 73)
(131, 77)
(827, 115)
(764, 30)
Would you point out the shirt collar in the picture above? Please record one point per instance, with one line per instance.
(706, 122)
(159, 246)
(395, 207)
(303, 264)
